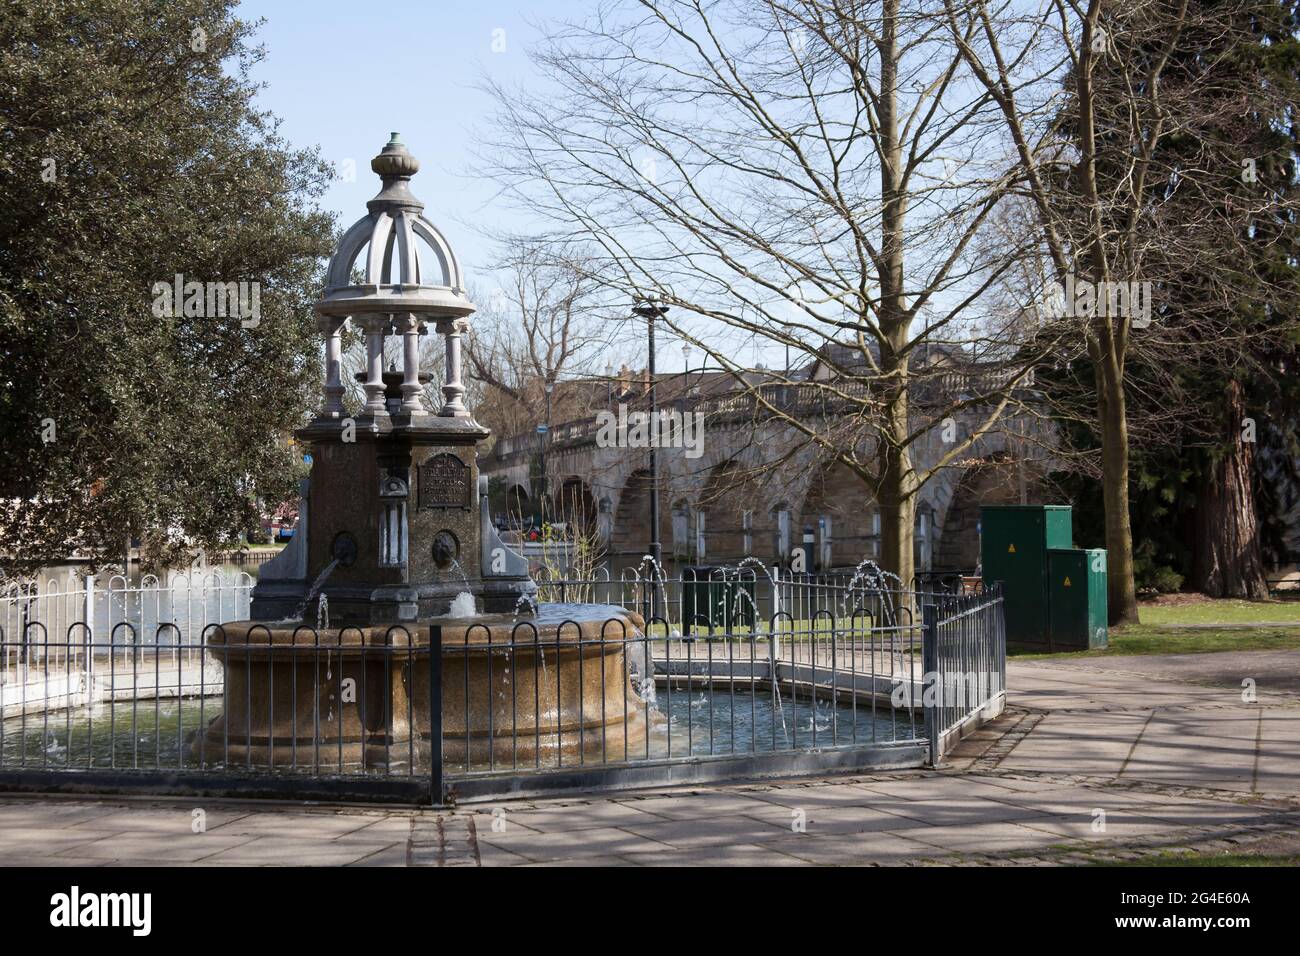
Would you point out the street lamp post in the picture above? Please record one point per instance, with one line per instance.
(546, 442)
(686, 372)
(648, 310)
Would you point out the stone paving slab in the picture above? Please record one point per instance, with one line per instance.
(586, 862)
(179, 820)
(1214, 750)
(395, 855)
(492, 855)
(53, 840)
(568, 816)
(956, 812)
(540, 847)
(158, 847)
(956, 787)
(842, 820)
(51, 813)
(742, 854)
(1117, 826)
(328, 825)
(45, 860)
(1059, 686)
(1137, 719)
(1278, 769)
(863, 849)
(1078, 743)
(983, 837)
(697, 805)
(827, 795)
(710, 831)
(287, 851)
(1274, 671)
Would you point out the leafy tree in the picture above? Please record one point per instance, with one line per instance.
(130, 152)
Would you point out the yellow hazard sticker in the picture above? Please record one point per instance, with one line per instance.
(1011, 549)
(1067, 582)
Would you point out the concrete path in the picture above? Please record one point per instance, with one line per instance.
(1100, 759)
(1276, 673)
(1136, 720)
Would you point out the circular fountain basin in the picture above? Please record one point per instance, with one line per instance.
(537, 690)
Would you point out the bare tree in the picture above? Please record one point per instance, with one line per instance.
(811, 175)
(546, 321)
(1129, 164)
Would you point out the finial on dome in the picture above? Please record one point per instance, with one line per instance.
(395, 166)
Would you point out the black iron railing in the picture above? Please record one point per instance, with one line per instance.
(965, 665)
(836, 679)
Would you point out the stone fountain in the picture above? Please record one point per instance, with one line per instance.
(393, 531)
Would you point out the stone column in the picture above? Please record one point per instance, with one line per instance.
(375, 325)
(453, 390)
(332, 326)
(409, 325)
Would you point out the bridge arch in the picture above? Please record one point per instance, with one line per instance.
(992, 480)
(840, 498)
(631, 533)
(518, 504)
(575, 504)
(727, 495)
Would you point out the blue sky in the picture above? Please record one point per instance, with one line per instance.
(344, 75)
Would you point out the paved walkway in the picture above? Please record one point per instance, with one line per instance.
(1097, 759)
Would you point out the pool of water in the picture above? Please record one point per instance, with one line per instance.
(149, 734)
(152, 733)
(722, 722)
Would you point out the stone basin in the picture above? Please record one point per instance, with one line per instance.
(536, 691)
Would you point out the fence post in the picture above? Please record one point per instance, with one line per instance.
(773, 638)
(88, 615)
(930, 677)
(435, 715)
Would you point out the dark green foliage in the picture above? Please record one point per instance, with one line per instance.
(165, 428)
(1226, 234)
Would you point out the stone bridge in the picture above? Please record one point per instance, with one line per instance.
(758, 488)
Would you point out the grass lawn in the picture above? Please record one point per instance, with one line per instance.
(1153, 639)
(1186, 625)
(1275, 849)
(1227, 611)
(1206, 859)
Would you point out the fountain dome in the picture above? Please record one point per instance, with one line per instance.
(406, 263)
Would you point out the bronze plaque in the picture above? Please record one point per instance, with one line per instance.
(444, 483)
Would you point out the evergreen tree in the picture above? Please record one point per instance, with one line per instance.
(132, 152)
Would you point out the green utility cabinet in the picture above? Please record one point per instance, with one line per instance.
(710, 601)
(1014, 541)
(1076, 598)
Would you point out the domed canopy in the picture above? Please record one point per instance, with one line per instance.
(407, 265)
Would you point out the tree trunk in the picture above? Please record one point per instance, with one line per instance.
(897, 522)
(897, 479)
(1121, 595)
(1228, 560)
